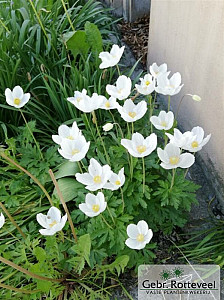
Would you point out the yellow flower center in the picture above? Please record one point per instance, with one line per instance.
(171, 86)
(117, 182)
(163, 123)
(70, 137)
(174, 160)
(53, 223)
(132, 114)
(75, 151)
(194, 144)
(140, 237)
(17, 101)
(96, 208)
(107, 104)
(78, 99)
(147, 83)
(119, 91)
(97, 179)
(141, 148)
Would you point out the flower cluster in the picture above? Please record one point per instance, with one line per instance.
(74, 147)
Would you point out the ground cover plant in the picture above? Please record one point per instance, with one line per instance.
(114, 187)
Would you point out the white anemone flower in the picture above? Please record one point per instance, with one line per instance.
(108, 127)
(2, 220)
(65, 132)
(164, 121)
(94, 205)
(74, 150)
(16, 97)
(52, 222)
(181, 139)
(172, 158)
(122, 89)
(156, 70)
(85, 103)
(199, 141)
(132, 112)
(170, 86)
(112, 58)
(110, 103)
(140, 147)
(97, 176)
(116, 181)
(147, 85)
(139, 235)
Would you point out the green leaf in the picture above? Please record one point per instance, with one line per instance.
(69, 188)
(67, 169)
(94, 38)
(78, 44)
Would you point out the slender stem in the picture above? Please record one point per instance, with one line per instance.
(178, 107)
(132, 127)
(31, 274)
(143, 174)
(67, 14)
(84, 167)
(12, 288)
(35, 141)
(6, 28)
(102, 142)
(172, 181)
(169, 103)
(150, 111)
(90, 128)
(129, 133)
(131, 166)
(64, 204)
(118, 69)
(122, 134)
(12, 219)
(105, 221)
(110, 214)
(80, 167)
(113, 120)
(122, 197)
(165, 139)
(29, 174)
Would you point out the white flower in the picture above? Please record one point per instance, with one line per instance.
(196, 98)
(147, 85)
(122, 89)
(170, 86)
(156, 70)
(139, 235)
(108, 126)
(65, 132)
(115, 181)
(112, 58)
(138, 146)
(97, 176)
(52, 222)
(131, 112)
(110, 103)
(2, 220)
(181, 139)
(172, 158)
(74, 150)
(84, 103)
(199, 141)
(16, 97)
(94, 205)
(164, 121)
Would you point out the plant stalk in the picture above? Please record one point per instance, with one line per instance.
(143, 174)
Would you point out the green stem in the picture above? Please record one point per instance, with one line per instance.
(131, 166)
(132, 127)
(143, 174)
(178, 107)
(169, 103)
(67, 14)
(110, 214)
(150, 111)
(104, 220)
(12, 288)
(6, 28)
(173, 177)
(29, 174)
(84, 167)
(118, 69)
(64, 204)
(102, 142)
(122, 197)
(31, 133)
(80, 167)
(12, 219)
(90, 128)
(129, 132)
(113, 120)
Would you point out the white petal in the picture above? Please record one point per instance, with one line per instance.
(94, 168)
(17, 92)
(85, 178)
(142, 227)
(134, 244)
(186, 160)
(47, 231)
(132, 231)
(42, 220)
(55, 214)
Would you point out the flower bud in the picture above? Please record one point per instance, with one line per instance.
(196, 98)
(108, 126)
